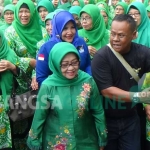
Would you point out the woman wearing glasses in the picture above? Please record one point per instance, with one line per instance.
(8, 14)
(121, 8)
(94, 30)
(64, 30)
(70, 116)
(138, 11)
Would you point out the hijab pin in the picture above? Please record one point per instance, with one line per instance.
(57, 36)
(86, 39)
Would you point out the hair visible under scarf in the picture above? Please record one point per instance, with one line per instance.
(24, 6)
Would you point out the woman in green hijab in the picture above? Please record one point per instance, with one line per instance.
(44, 7)
(8, 16)
(48, 26)
(75, 11)
(78, 3)
(105, 15)
(94, 30)
(138, 11)
(71, 115)
(9, 68)
(121, 8)
(148, 11)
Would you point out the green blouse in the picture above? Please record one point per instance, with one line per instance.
(68, 117)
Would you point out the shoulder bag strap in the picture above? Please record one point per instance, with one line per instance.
(125, 64)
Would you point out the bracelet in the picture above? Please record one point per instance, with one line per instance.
(136, 98)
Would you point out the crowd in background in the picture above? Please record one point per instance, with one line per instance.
(61, 45)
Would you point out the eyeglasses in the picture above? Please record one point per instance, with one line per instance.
(24, 12)
(120, 36)
(8, 14)
(119, 9)
(85, 18)
(135, 14)
(67, 65)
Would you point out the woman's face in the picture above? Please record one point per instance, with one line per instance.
(24, 16)
(119, 10)
(86, 21)
(69, 66)
(114, 2)
(86, 2)
(48, 26)
(77, 20)
(127, 1)
(75, 3)
(9, 16)
(43, 13)
(68, 32)
(148, 14)
(104, 16)
(136, 15)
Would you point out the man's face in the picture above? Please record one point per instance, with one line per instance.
(121, 36)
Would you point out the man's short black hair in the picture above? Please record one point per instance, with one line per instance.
(129, 19)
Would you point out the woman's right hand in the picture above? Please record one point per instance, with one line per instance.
(34, 84)
(7, 65)
(92, 50)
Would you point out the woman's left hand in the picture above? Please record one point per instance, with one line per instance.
(34, 84)
(101, 148)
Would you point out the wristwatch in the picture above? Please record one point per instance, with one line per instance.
(136, 98)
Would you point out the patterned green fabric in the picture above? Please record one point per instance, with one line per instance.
(5, 131)
(75, 119)
(31, 33)
(6, 87)
(16, 43)
(98, 36)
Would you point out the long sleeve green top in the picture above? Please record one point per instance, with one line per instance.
(68, 118)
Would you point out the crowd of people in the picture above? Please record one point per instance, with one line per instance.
(87, 99)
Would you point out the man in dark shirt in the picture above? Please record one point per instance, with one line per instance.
(118, 87)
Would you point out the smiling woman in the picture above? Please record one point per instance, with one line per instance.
(64, 30)
(77, 122)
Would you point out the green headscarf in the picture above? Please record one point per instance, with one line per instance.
(81, 3)
(75, 10)
(6, 76)
(148, 8)
(9, 7)
(6, 2)
(123, 5)
(98, 36)
(65, 6)
(144, 27)
(107, 10)
(109, 20)
(48, 17)
(31, 33)
(48, 5)
(146, 2)
(57, 79)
